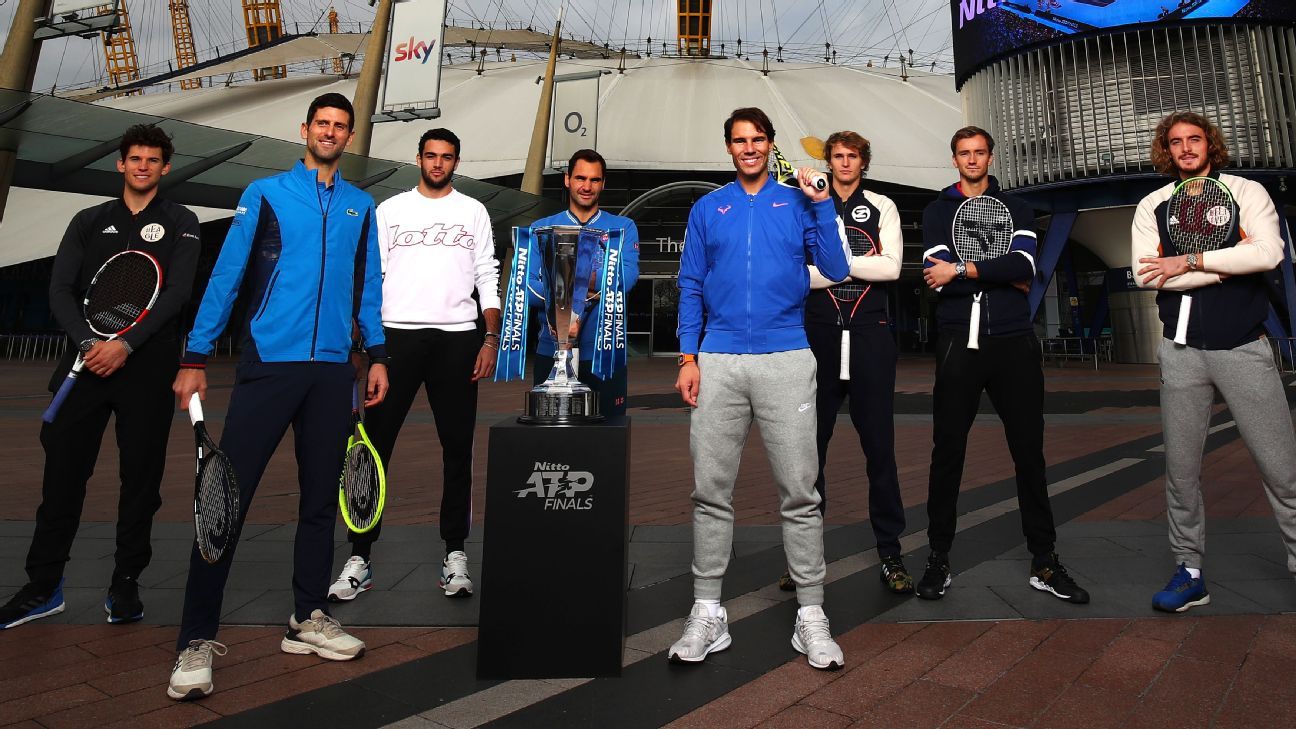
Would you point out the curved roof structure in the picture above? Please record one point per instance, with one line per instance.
(661, 113)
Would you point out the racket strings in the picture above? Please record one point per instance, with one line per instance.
(860, 245)
(120, 293)
(983, 229)
(360, 484)
(217, 505)
(1200, 216)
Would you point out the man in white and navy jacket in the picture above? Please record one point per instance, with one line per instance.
(1224, 346)
(1005, 364)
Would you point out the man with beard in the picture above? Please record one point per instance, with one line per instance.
(1006, 366)
(304, 244)
(1225, 347)
(128, 377)
(436, 248)
(584, 180)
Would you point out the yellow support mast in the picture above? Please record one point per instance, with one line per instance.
(334, 27)
(182, 31)
(119, 48)
(694, 27)
(264, 23)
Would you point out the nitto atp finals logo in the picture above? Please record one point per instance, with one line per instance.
(414, 50)
(559, 487)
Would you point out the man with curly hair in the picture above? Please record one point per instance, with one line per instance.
(1225, 349)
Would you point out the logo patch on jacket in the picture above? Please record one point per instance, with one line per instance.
(152, 232)
(724, 209)
(352, 213)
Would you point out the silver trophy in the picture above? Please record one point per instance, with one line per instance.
(569, 256)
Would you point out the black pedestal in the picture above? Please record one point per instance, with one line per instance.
(554, 563)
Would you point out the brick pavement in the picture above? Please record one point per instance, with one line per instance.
(1135, 671)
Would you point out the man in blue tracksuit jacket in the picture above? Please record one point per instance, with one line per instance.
(304, 244)
(743, 283)
(1001, 357)
(584, 179)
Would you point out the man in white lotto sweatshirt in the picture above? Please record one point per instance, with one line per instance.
(436, 247)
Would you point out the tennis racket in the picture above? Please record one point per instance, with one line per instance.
(216, 492)
(983, 229)
(784, 171)
(850, 293)
(120, 295)
(1200, 216)
(362, 490)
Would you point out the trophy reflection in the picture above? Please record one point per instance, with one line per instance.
(569, 257)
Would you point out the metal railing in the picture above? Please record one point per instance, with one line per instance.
(1284, 354)
(32, 347)
(1083, 349)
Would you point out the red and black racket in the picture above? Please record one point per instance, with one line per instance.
(1200, 216)
(851, 292)
(119, 296)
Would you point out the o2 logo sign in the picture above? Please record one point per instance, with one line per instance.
(574, 123)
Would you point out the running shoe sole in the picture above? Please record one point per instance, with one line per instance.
(1043, 586)
(35, 616)
(829, 666)
(451, 591)
(365, 586)
(723, 642)
(297, 647)
(1205, 600)
(192, 694)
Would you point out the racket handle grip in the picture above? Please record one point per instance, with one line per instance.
(1181, 326)
(845, 356)
(974, 324)
(195, 409)
(820, 182)
(64, 390)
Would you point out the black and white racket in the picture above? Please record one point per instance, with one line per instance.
(983, 229)
(1200, 216)
(362, 490)
(851, 292)
(120, 295)
(216, 492)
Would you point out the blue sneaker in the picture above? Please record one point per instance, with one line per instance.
(31, 604)
(1181, 593)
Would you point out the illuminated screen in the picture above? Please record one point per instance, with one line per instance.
(984, 29)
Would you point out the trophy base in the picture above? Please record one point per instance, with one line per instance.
(560, 408)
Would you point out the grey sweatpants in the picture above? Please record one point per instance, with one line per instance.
(1246, 378)
(778, 391)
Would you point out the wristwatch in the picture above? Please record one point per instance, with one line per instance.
(1192, 261)
(960, 270)
(87, 344)
(686, 358)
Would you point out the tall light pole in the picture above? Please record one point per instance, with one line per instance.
(366, 95)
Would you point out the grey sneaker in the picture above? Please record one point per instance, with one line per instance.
(703, 635)
(356, 577)
(454, 575)
(813, 638)
(192, 676)
(322, 635)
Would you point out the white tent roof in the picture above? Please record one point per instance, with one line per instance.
(661, 114)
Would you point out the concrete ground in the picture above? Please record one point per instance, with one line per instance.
(993, 653)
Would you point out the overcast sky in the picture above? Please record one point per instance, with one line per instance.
(859, 30)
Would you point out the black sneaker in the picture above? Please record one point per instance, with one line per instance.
(123, 602)
(31, 603)
(936, 578)
(785, 582)
(1053, 578)
(894, 575)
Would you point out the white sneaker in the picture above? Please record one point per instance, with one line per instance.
(813, 638)
(454, 575)
(356, 577)
(703, 635)
(192, 676)
(322, 635)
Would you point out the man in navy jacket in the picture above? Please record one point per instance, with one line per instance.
(305, 242)
(743, 283)
(1005, 363)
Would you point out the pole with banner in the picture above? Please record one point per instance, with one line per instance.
(412, 81)
(574, 124)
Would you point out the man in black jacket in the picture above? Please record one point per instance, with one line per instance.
(129, 377)
(1005, 364)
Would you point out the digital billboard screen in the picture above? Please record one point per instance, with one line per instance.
(984, 29)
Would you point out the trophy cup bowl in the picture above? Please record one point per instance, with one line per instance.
(568, 258)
